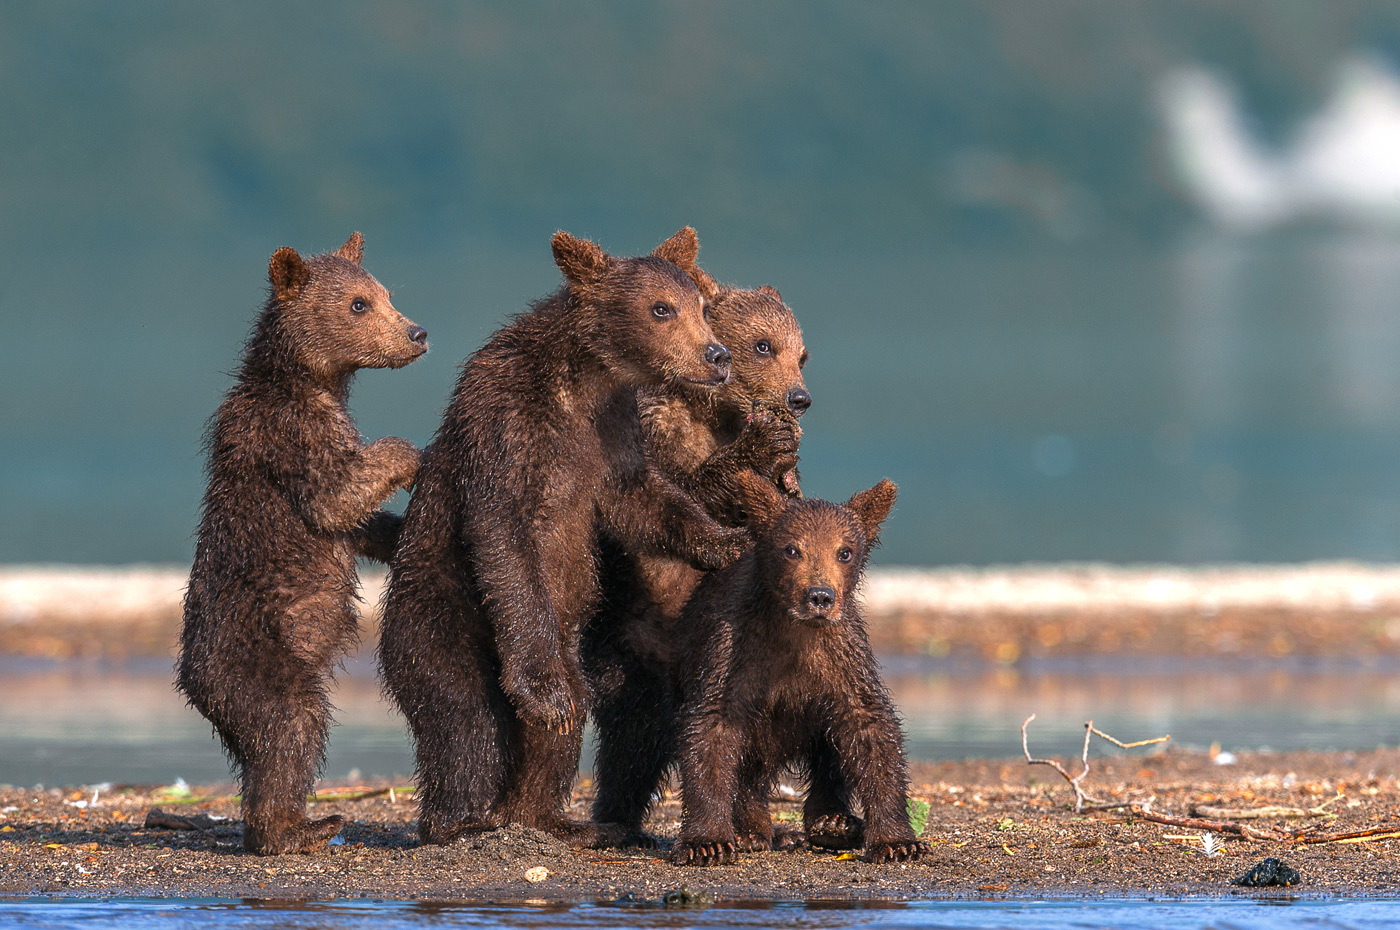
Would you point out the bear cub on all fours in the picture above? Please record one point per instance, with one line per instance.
(781, 673)
(293, 497)
(539, 453)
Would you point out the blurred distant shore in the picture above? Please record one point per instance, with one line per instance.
(1001, 615)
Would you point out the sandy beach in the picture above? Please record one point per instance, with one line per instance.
(997, 828)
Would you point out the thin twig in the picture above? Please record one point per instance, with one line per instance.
(1357, 836)
(358, 795)
(1080, 796)
(1082, 799)
(1214, 826)
(1122, 745)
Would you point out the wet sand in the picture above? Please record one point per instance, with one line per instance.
(997, 829)
(1000, 615)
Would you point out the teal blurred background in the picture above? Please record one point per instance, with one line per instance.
(1089, 280)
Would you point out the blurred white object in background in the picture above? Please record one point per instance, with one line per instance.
(1342, 165)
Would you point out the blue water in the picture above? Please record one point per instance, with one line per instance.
(1057, 361)
(1262, 913)
(76, 723)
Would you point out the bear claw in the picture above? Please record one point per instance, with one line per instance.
(897, 852)
(836, 831)
(711, 853)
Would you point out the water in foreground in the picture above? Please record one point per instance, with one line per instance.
(174, 913)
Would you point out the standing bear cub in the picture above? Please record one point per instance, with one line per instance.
(782, 674)
(703, 442)
(293, 497)
(539, 453)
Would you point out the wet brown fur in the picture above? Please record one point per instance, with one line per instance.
(539, 453)
(293, 497)
(704, 443)
(780, 673)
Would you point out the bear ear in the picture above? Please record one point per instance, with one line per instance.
(709, 287)
(771, 292)
(287, 272)
(353, 249)
(580, 260)
(681, 250)
(871, 507)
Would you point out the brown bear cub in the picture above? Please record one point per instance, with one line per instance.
(293, 497)
(703, 442)
(781, 673)
(539, 453)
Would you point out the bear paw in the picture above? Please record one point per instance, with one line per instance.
(788, 839)
(906, 851)
(769, 444)
(398, 457)
(296, 836)
(703, 852)
(837, 831)
(752, 842)
(545, 699)
(638, 839)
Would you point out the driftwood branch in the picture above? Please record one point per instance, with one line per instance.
(1225, 827)
(1257, 834)
(1082, 799)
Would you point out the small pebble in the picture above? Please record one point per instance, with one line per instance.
(537, 874)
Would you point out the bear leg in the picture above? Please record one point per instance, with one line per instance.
(635, 746)
(276, 737)
(539, 790)
(460, 718)
(827, 818)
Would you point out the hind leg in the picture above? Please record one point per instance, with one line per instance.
(753, 824)
(458, 714)
(537, 793)
(827, 818)
(279, 771)
(635, 746)
(273, 721)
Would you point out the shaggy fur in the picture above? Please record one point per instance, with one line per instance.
(704, 443)
(293, 497)
(780, 673)
(540, 451)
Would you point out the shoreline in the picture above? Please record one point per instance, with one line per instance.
(999, 829)
(998, 614)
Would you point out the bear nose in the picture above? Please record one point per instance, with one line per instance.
(820, 598)
(718, 356)
(798, 401)
(418, 334)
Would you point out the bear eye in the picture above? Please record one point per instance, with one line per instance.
(662, 310)
(763, 347)
(844, 555)
(705, 312)
(359, 306)
(790, 551)
(802, 362)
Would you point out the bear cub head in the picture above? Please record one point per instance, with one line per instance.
(643, 318)
(762, 334)
(810, 553)
(335, 317)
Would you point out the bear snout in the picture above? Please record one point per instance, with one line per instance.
(798, 400)
(718, 358)
(418, 334)
(820, 599)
